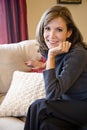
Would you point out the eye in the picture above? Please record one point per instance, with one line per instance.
(47, 28)
(59, 29)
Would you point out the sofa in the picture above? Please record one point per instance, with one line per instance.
(19, 85)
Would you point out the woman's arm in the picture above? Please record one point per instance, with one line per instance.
(35, 64)
(58, 81)
(52, 53)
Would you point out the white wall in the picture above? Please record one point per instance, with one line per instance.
(35, 9)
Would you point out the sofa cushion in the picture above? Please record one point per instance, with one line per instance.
(25, 88)
(11, 123)
(13, 57)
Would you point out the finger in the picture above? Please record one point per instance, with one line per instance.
(66, 46)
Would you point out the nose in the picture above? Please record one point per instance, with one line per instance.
(52, 34)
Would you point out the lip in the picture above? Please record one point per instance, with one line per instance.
(53, 42)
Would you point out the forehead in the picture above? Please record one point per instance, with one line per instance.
(57, 21)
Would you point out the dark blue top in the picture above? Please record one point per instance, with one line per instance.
(69, 79)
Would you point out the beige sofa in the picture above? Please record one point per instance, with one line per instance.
(12, 59)
(19, 86)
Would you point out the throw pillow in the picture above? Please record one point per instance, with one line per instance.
(25, 88)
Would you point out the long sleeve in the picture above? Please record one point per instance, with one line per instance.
(68, 76)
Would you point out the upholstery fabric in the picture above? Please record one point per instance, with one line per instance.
(11, 123)
(25, 88)
(13, 57)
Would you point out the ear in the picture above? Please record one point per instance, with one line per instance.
(69, 33)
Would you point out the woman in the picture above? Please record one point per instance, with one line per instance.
(65, 77)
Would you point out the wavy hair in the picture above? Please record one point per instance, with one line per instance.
(52, 13)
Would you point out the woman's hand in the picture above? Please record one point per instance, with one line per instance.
(35, 64)
(63, 47)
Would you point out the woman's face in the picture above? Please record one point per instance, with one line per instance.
(55, 32)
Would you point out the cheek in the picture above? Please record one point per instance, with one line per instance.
(45, 35)
(63, 37)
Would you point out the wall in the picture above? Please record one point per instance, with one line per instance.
(35, 9)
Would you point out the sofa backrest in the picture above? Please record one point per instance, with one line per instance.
(13, 57)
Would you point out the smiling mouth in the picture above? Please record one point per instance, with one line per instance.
(53, 42)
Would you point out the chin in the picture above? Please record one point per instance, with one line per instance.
(52, 47)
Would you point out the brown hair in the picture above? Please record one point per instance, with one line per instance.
(50, 14)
